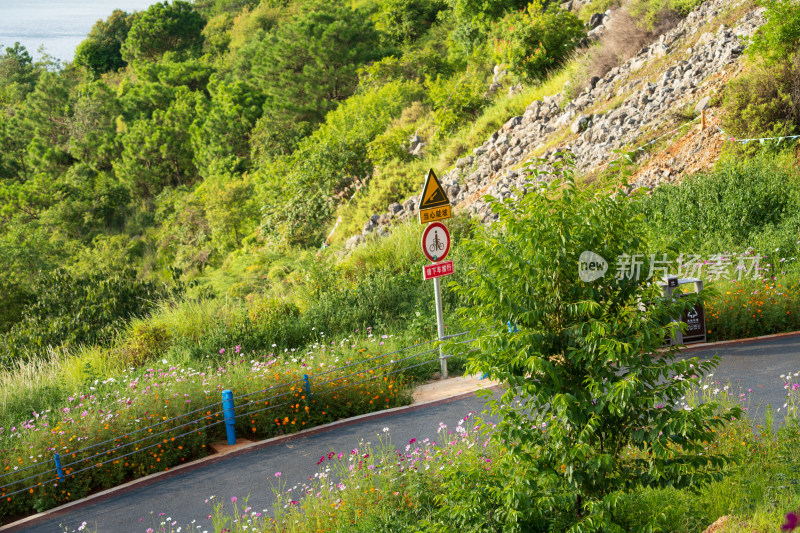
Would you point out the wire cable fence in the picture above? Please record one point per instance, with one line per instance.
(228, 414)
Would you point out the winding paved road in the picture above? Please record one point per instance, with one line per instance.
(181, 496)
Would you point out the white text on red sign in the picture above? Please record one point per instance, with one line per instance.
(437, 270)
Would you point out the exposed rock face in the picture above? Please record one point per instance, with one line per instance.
(493, 167)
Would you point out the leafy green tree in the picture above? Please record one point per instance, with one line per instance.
(303, 190)
(45, 119)
(535, 41)
(93, 125)
(17, 75)
(224, 125)
(88, 202)
(164, 27)
(592, 407)
(778, 39)
(473, 19)
(26, 251)
(71, 309)
(184, 239)
(174, 71)
(404, 21)
(12, 156)
(309, 65)
(456, 100)
(101, 51)
(140, 99)
(157, 152)
(230, 205)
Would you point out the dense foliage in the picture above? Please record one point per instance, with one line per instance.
(188, 133)
(588, 413)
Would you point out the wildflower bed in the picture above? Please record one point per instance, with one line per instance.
(742, 309)
(152, 419)
(415, 486)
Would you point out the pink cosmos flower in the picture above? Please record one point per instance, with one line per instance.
(792, 520)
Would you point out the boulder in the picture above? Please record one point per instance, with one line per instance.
(580, 124)
(353, 241)
(703, 104)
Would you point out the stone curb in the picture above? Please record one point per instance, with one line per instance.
(737, 342)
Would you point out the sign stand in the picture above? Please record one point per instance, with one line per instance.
(435, 205)
(440, 325)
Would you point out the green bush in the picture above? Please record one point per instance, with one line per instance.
(733, 207)
(404, 21)
(778, 39)
(535, 41)
(648, 12)
(72, 309)
(456, 100)
(302, 191)
(586, 366)
(759, 104)
(277, 321)
(145, 342)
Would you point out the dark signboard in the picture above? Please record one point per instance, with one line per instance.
(695, 319)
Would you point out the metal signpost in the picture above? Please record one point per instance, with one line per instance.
(435, 205)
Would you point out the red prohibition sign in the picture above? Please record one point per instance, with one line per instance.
(435, 241)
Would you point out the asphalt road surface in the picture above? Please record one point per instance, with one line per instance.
(755, 366)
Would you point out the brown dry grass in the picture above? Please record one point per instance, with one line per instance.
(623, 38)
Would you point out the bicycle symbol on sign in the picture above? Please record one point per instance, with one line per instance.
(436, 245)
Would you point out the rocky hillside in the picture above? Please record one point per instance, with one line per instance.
(633, 105)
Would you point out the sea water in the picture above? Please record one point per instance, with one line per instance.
(56, 26)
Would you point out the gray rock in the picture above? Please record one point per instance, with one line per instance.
(580, 124)
(703, 104)
(512, 123)
(395, 208)
(595, 20)
(464, 161)
(353, 241)
(515, 89)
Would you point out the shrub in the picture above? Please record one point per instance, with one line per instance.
(759, 103)
(74, 310)
(456, 100)
(403, 21)
(731, 208)
(303, 190)
(277, 320)
(624, 36)
(589, 406)
(534, 41)
(146, 342)
(651, 13)
(778, 39)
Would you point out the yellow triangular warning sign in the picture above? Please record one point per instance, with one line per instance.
(433, 194)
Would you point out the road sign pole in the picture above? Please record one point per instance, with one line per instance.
(440, 324)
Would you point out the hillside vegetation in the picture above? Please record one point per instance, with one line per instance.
(176, 200)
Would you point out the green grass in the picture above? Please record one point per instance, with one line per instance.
(396, 180)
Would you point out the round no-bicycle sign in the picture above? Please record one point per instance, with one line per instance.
(435, 241)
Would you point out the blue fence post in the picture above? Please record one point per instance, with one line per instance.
(308, 385)
(230, 417)
(59, 471)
